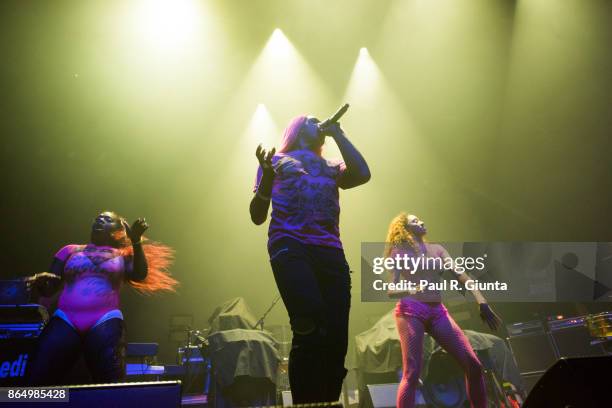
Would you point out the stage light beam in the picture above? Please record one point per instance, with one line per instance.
(366, 79)
(278, 44)
(167, 24)
(281, 79)
(261, 128)
(242, 165)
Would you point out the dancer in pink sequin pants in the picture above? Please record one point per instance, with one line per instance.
(421, 311)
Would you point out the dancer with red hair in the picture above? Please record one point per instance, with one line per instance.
(305, 250)
(88, 319)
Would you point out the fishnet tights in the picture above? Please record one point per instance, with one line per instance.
(412, 321)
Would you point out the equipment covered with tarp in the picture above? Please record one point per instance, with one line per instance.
(244, 360)
(232, 314)
(241, 352)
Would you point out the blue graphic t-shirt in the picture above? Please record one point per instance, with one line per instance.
(305, 199)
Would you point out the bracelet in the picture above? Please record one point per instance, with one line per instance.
(262, 197)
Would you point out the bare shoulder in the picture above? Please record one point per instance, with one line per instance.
(401, 250)
(437, 250)
(66, 251)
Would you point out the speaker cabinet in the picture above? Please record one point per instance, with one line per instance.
(533, 348)
(573, 339)
(533, 352)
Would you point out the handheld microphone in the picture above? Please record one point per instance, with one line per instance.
(334, 119)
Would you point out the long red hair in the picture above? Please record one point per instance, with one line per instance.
(159, 258)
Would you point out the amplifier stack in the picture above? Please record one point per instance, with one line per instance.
(537, 345)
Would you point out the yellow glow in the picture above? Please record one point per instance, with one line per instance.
(164, 53)
(242, 165)
(282, 80)
(365, 80)
(279, 60)
(261, 128)
(278, 45)
(377, 111)
(167, 24)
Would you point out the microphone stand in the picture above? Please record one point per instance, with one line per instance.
(260, 322)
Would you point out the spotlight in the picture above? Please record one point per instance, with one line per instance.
(278, 44)
(167, 24)
(281, 79)
(365, 80)
(262, 127)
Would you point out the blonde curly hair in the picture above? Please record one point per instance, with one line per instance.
(399, 235)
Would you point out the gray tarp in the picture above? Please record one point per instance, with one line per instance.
(241, 352)
(238, 350)
(232, 314)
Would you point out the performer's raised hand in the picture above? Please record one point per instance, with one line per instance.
(265, 158)
(138, 228)
(489, 316)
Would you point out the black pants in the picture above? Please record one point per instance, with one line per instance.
(315, 284)
(60, 346)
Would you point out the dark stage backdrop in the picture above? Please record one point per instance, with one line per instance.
(489, 119)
